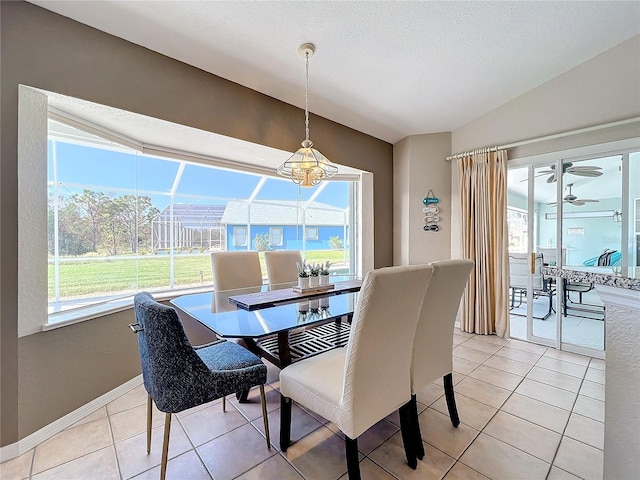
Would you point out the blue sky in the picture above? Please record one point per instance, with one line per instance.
(109, 171)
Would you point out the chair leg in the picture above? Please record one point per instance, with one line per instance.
(265, 418)
(165, 446)
(224, 404)
(243, 396)
(285, 422)
(149, 415)
(407, 428)
(417, 435)
(353, 465)
(451, 399)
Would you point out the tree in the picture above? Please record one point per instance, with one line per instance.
(335, 243)
(91, 220)
(261, 241)
(127, 223)
(73, 238)
(112, 232)
(92, 206)
(135, 216)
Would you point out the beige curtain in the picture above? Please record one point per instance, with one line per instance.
(482, 187)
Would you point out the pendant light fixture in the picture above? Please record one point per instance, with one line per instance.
(307, 167)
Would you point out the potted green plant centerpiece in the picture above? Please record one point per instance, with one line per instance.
(324, 273)
(303, 275)
(314, 275)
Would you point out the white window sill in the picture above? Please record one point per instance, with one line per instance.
(90, 312)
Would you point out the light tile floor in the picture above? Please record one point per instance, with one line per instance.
(527, 412)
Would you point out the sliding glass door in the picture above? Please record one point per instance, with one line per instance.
(595, 223)
(532, 300)
(592, 237)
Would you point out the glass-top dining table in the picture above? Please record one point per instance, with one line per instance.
(276, 322)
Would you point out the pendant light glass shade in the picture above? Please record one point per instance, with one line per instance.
(307, 167)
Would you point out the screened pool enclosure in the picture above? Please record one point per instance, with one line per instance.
(121, 221)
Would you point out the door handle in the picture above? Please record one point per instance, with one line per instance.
(533, 263)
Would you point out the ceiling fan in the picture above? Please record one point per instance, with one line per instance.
(573, 200)
(568, 167)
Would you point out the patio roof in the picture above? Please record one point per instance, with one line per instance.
(282, 212)
(193, 215)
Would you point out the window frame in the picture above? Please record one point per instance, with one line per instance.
(273, 243)
(308, 229)
(236, 235)
(34, 111)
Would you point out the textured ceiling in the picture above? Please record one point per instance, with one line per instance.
(389, 69)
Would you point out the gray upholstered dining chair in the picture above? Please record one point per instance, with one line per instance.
(233, 270)
(281, 265)
(358, 385)
(433, 342)
(178, 376)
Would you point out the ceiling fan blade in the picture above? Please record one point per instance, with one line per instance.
(577, 203)
(584, 167)
(545, 172)
(552, 178)
(588, 200)
(587, 173)
(552, 203)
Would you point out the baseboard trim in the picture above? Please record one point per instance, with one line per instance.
(8, 452)
(16, 449)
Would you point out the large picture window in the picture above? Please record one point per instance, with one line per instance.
(120, 221)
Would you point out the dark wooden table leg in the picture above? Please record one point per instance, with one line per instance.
(283, 349)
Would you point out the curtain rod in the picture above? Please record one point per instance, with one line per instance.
(542, 139)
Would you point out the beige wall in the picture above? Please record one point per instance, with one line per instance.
(602, 90)
(46, 375)
(419, 165)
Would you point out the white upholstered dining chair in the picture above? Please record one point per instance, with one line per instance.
(358, 385)
(281, 265)
(233, 270)
(433, 343)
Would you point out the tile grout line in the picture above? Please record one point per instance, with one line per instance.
(31, 474)
(193, 447)
(571, 412)
(456, 460)
(278, 452)
(569, 420)
(113, 442)
(459, 459)
(31, 463)
(540, 356)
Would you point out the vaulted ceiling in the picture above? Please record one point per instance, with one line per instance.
(386, 68)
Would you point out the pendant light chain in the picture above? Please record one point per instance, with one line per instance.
(306, 97)
(307, 167)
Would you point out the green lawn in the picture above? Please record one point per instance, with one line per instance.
(97, 276)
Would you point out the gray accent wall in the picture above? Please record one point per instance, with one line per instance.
(49, 374)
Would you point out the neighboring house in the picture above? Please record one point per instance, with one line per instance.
(289, 225)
